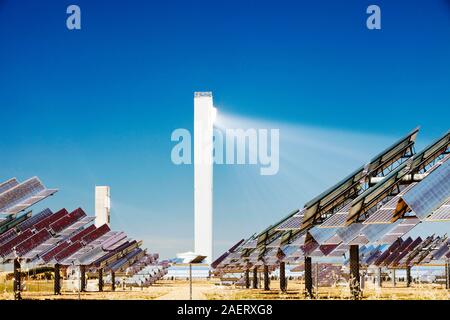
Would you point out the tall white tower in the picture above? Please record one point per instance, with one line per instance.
(204, 114)
(102, 206)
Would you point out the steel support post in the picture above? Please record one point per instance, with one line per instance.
(283, 285)
(247, 278)
(100, 279)
(355, 285)
(379, 278)
(308, 278)
(408, 276)
(394, 278)
(57, 279)
(255, 278)
(266, 278)
(17, 281)
(82, 278)
(447, 275)
(113, 281)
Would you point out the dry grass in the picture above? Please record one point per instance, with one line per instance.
(296, 288)
(135, 294)
(43, 290)
(202, 289)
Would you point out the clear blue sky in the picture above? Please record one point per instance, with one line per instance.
(98, 105)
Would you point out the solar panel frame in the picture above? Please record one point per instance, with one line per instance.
(369, 198)
(389, 238)
(430, 193)
(251, 244)
(442, 250)
(337, 220)
(76, 226)
(68, 251)
(386, 213)
(359, 240)
(415, 254)
(374, 232)
(7, 236)
(8, 247)
(111, 242)
(8, 184)
(20, 192)
(47, 221)
(90, 256)
(335, 239)
(116, 245)
(22, 196)
(370, 254)
(112, 256)
(403, 227)
(43, 247)
(392, 247)
(298, 240)
(67, 221)
(400, 250)
(88, 246)
(321, 235)
(384, 159)
(350, 232)
(32, 242)
(441, 214)
(275, 243)
(340, 250)
(293, 223)
(326, 249)
(27, 203)
(34, 219)
(316, 253)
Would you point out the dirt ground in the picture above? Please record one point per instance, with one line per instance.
(211, 290)
(296, 291)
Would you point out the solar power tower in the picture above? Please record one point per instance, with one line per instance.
(102, 206)
(204, 114)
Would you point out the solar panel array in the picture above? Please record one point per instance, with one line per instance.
(427, 196)
(359, 181)
(147, 275)
(17, 197)
(62, 237)
(371, 208)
